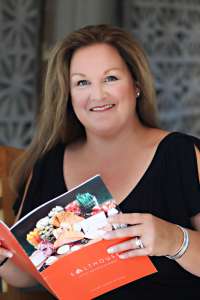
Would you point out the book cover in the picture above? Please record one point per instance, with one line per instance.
(60, 243)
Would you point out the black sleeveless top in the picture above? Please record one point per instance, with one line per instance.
(169, 189)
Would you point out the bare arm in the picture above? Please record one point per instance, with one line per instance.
(16, 277)
(191, 260)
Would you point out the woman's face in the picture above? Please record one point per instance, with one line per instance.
(102, 90)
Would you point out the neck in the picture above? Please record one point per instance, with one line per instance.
(130, 140)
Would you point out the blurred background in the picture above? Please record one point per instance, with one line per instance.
(169, 31)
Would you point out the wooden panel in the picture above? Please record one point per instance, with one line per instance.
(7, 156)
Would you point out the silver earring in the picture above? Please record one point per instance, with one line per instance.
(137, 94)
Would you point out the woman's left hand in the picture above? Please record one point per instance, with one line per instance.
(158, 237)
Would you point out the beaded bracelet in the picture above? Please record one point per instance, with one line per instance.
(183, 247)
(3, 261)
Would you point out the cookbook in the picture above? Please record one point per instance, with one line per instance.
(60, 243)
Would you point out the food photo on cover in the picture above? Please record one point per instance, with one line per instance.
(69, 223)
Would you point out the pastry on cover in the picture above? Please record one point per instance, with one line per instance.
(65, 217)
(67, 237)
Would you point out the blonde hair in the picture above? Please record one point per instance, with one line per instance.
(57, 121)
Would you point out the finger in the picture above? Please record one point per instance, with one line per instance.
(133, 253)
(127, 245)
(130, 231)
(6, 253)
(132, 219)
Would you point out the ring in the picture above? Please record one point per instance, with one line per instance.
(139, 243)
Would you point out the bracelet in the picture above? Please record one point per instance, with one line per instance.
(3, 261)
(183, 247)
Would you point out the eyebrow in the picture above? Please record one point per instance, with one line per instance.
(112, 69)
(78, 74)
(83, 75)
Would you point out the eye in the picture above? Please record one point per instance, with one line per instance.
(82, 82)
(110, 78)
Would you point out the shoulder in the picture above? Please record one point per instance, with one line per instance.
(182, 142)
(168, 139)
(56, 151)
(49, 160)
(174, 143)
(180, 149)
(184, 149)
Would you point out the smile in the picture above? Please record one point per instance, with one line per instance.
(102, 107)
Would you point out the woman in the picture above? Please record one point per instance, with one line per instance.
(99, 116)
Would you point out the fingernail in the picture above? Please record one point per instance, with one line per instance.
(111, 250)
(9, 254)
(122, 256)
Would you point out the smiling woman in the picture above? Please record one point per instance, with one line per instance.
(102, 90)
(99, 97)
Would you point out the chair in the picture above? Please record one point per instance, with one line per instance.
(7, 155)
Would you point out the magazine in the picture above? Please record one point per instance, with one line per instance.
(60, 243)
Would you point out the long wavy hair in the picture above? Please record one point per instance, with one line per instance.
(57, 121)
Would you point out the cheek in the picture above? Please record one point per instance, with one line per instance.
(124, 91)
(129, 89)
(79, 99)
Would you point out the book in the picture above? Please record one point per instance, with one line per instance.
(60, 244)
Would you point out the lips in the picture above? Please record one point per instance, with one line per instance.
(102, 107)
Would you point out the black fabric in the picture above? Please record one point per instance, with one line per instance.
(169, 189)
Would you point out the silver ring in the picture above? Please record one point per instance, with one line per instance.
(139, 243)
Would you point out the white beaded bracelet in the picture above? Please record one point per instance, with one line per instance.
(183, 247)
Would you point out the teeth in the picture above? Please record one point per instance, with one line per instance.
(99, 108)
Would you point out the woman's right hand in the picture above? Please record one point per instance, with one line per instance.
(11, 273)
(4, 253)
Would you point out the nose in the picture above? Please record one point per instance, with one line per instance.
(97, 91)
